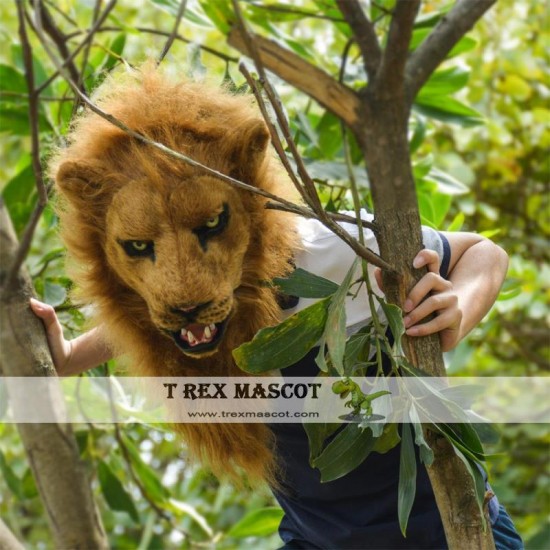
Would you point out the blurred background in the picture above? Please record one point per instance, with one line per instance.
(479, 137)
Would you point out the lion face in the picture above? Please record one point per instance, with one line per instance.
(181, 250)
(165, 248)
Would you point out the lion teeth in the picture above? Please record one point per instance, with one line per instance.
(191, 338)
(207, 333)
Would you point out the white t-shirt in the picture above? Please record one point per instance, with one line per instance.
(326, 255)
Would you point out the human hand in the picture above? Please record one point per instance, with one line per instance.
(432, 294)
(60, 348)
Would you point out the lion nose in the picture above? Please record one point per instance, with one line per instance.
(190, 309)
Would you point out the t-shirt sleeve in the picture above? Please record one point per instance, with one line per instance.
(434, 240)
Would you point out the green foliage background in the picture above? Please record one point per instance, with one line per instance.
(480, 139)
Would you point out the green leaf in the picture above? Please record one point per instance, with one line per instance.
(12, 481)
(407, 478)
(447, 109)
(457, 223)
(28, 484)
(178, 508)
(54, 294)
(477, 476)
(486, 432)
(12, 80)
(304, 284)
(148, 477)
(170, 6)
(465, 44)
(388, 440)
(320, 359)
(281, 346)
(14, 119)
(394, 315)
(426, 453)
(446, 183)
(317, 433)
(258, 523)
(444, 82)
(345, 452)
(419, 133)
(357, 348)
(219, 13)
(40, 74)
(115, 51)
(19, 195)
(115, 495)
(335, 329)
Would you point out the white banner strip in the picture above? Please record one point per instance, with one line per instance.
(274, 400)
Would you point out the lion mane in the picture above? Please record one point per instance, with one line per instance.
(157, 245)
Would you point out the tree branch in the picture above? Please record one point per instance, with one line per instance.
(7, 538)
(391, 75)
(61, 476)
(86, 53)
(57, 37)
(28, 233)
(174, 33)
(78, 49)
(450, 29)
(307, 189)
(337, 98)
(364, 33)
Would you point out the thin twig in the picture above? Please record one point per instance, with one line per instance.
(275, 139)
(62, 13)
(26, 239)
(58, 38)
(391, 74)
(434, 49)
(305, 13)
(308, 185)
(336, 216)
(174, 33)
(86, 53)
(27, 96)
(207, 49)
(364, 33)
(76, 51)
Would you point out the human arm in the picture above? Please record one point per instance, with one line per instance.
(476, 272)
(71, 357)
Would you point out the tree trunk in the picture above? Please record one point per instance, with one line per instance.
(61, 476)
(385, 146)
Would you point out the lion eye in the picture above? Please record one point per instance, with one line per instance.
(213, 222)
(139, 246)
(138, 249)
(212, 226)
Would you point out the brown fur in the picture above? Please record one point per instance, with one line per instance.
(113, 187)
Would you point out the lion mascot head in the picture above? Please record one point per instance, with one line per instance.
(175, 261)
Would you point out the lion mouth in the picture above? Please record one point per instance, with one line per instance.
(198, 338)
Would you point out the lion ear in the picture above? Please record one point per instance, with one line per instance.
(79, 180)
(252, 142)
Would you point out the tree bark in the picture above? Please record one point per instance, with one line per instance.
(385, 146)
(61, 476)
